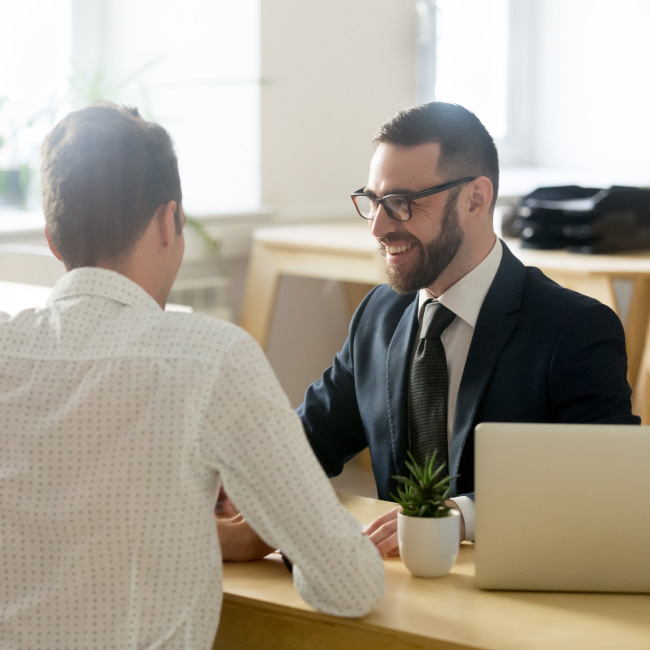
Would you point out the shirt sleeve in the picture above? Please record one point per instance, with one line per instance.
(466, 507)
(257, 443)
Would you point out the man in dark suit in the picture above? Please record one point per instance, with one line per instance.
(518, 347)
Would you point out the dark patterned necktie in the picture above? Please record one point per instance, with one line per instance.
(428, 387)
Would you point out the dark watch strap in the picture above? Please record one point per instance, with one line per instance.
(287, 562)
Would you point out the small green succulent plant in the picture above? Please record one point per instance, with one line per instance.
(424, 492)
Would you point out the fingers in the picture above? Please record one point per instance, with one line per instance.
(380, 521)
(383, 532)
(385, 539)
(239, 542)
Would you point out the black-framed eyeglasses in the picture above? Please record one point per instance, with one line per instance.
(397, 206)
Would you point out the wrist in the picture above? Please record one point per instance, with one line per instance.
(287, 562)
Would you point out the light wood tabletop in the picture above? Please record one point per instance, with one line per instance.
(263, 610)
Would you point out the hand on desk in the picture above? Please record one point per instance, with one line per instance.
(383, 530)
(239, 542)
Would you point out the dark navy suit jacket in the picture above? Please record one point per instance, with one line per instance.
(540, 353)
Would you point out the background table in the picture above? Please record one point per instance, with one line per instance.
(347, 252)
(263, 610)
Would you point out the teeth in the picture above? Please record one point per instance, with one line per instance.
(394, 250)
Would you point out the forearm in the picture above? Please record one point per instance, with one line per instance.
(330, 416)
(239, 542)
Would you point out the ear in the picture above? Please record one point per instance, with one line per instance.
(53, 248)
(165, 223)
(480, 195)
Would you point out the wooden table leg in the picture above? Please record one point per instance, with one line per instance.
(636, 327)
(260, 294)
(641, 393)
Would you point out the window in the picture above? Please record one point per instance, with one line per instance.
(475, 53)
(191, 65)
(35, 63)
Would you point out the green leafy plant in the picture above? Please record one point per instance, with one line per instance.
(214, 245)
(425, 491)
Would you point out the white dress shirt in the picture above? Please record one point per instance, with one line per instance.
(118, 424)
(465, 299)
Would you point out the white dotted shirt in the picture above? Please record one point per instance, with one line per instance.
(118, 424)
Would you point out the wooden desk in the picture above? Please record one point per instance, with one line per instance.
(263, 610)
(348, 252)
(16, 296)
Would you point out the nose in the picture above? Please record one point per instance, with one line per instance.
(382, 223)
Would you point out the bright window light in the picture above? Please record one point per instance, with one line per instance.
(473, 59)
(198, 69)
(35, 64)
(191, 65)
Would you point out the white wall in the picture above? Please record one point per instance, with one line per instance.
(333, 72)
(591, 88)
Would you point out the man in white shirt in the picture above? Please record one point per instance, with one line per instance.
(516, 347)
(119, 423)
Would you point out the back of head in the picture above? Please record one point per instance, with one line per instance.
(105, 170)
(466, 147)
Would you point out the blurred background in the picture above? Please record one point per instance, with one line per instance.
(272, 105)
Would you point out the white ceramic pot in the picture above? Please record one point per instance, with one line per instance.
(429, 545)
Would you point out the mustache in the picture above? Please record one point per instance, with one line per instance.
(391, 238)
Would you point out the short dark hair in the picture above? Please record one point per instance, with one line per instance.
(466, 147)
(105, 170)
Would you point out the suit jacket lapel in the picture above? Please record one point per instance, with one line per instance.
(496, 321)
(397, 374)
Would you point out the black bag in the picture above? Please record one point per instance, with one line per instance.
(582, 219)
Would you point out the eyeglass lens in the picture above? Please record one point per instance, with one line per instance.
(396, 206)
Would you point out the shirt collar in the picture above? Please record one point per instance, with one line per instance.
(465, 298)
(93, 281)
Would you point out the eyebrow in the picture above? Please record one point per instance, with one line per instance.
(402, 191)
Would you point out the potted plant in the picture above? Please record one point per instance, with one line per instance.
(428, 530)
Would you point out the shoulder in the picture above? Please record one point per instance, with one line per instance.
(543, 295)
(192, 336)
(560, 316)
(529, 289)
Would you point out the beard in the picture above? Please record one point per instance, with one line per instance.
(435, 256)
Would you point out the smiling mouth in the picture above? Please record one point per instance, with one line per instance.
(396, 250)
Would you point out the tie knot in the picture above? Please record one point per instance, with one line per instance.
(436, 319)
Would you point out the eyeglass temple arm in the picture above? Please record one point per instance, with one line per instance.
(442, 188)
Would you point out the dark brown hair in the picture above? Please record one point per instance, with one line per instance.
(466, 148)
(105, 170)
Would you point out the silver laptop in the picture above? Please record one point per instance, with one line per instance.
(562, 507)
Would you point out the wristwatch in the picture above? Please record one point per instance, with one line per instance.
(287, 562)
